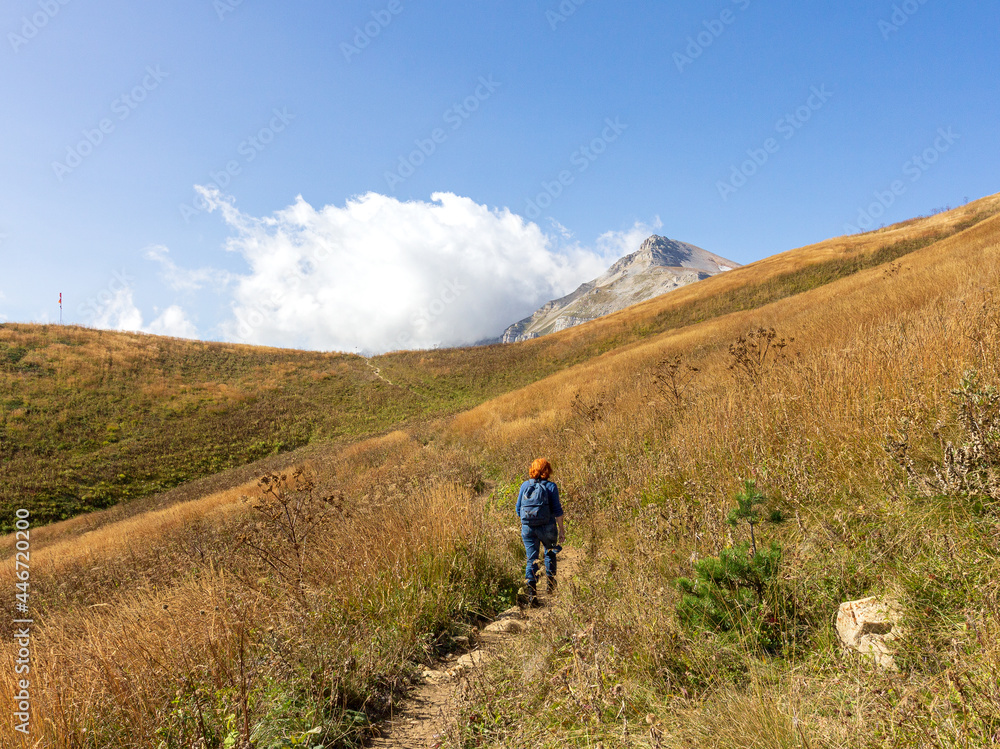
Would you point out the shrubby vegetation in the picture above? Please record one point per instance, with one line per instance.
(743, 652)
(220, 621)
(738, 591)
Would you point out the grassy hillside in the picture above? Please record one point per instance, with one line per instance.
(199, 623)
(92, 418)
(881, 358)
(89, 418)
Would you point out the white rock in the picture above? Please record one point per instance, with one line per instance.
(471, 660)
(870, 626)
(504, 626)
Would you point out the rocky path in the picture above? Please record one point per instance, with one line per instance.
(425, 717)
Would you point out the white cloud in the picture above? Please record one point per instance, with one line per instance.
(381, 274)
(173, 322)
(181, 279)
(120, 313)
(563, 231)
(621, 243)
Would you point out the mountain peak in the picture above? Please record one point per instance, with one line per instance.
(661, 252)
(658, 266)
(665, 251)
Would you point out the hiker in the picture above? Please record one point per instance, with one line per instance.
(541, 524)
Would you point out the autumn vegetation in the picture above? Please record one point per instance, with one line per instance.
(840, 402)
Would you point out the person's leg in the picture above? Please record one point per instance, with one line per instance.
(550, 538)
(531, 550)
(550, 566)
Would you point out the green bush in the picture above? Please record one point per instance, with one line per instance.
(736, 592)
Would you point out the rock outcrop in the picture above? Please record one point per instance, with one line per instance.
(870, 626)
(660, 265)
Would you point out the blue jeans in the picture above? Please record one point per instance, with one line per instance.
(534, 537)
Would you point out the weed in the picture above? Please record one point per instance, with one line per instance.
(971, 469)
(754, 354)
(672, 379)
(291, 514)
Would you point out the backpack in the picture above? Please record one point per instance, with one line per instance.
(535, 504)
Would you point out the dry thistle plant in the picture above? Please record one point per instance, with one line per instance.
(289, 513)
(971, 469)
(754, 353)
(589, 410)
(672, 379)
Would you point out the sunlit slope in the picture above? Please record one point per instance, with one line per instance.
(857, 434)
(748, 287)
(91, 418)
(841, 313)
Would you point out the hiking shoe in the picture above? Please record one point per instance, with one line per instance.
(550, 585)
(532, 592)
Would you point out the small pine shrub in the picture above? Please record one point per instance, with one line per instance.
(746, 510)
(736, 592)
(739, 591)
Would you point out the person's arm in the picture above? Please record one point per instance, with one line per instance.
(557, 510)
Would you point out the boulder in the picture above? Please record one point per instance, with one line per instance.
(870, 626)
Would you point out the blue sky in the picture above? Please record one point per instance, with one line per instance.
(379, 165)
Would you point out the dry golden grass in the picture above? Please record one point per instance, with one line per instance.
(159, 663)
(87, 537)
(841, 314)
(647, 482)
(125, 542)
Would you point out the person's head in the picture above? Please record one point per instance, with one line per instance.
(540, 469)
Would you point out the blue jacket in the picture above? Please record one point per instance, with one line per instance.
(553, 491)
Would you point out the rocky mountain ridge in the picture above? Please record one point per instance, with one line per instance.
(659, 266)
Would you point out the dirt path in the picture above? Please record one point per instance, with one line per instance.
(378, 372)
(424, 718)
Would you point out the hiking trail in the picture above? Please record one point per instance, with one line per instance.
(378, 372)
(424, 718)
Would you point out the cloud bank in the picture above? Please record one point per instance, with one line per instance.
(120, 313)
(379, 274)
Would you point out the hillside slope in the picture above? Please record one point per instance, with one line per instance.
(169, 627)
(92, 418)
(847, 428)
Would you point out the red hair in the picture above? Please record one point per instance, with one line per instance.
(540, 469)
